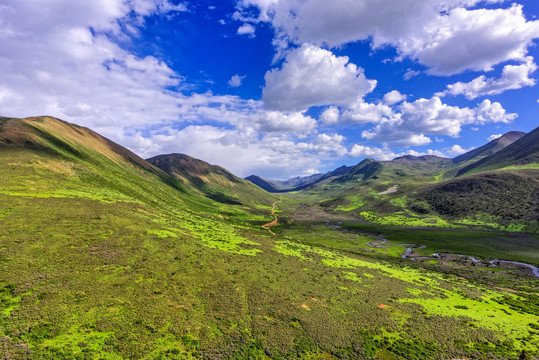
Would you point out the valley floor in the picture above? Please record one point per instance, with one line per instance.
(90, 279)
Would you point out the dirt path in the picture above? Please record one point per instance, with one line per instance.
(274, 222)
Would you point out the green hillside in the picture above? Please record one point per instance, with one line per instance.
(106, 256)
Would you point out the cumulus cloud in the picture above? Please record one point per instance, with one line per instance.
(361, 150)
(494, 137)
(247, 29)
(311, 76)
(471, 39)
(457, 150)
(513, 77)
(276, 121)
(393, 97)
(52, 63)
(362, 112)
(447, 36)
(330, 116)
(489, 112)
(385, 153)
(414, 121)
(236, 80)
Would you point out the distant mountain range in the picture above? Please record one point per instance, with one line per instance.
(476, 160)
(497, 183)
(498, 180)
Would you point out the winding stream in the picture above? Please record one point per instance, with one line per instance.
(381, 241)
(534, 269)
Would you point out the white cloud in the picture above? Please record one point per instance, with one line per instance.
(471, 39)
(265, 6)
(236, 80)
(393, 97)
(53, 64)
(489, 112)
(313, 76)
(494, 137)
(445, 35)
(361, 150)
(362, 112)
(458, 150)
(410, 73)
(385, 153)
(330, 116)
(513, 77)
(247, 29)
(276, 121)
(432, 117)
(243, 152)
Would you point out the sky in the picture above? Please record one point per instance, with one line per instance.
(276, 88)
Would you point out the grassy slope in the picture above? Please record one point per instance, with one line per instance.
(104, 256)
(506, 199)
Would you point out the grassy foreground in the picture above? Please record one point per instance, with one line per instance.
(101, 258)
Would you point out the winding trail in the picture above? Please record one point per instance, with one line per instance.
(274, 222)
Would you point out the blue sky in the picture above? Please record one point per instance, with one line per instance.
(272, 87)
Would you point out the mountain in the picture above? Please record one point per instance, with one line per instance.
(423, 190)
(503, 195)
(490, 148)
(264, 184)
(361, 172)
(408, 168)
(430, 159)
(214, 181)
(297, 183)
(523, 151)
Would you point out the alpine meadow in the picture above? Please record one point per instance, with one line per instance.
(269, 179)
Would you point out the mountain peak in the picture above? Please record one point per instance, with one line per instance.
(492, 147)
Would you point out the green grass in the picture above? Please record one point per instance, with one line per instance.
(114, 261)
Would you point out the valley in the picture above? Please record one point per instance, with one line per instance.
(104, 255)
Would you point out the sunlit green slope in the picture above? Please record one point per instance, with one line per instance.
(104, 256)
(493, 187)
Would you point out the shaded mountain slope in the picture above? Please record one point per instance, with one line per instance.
(264, 184)
(505, 195)
(523, 151)
(490, 148)
(217, 183)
